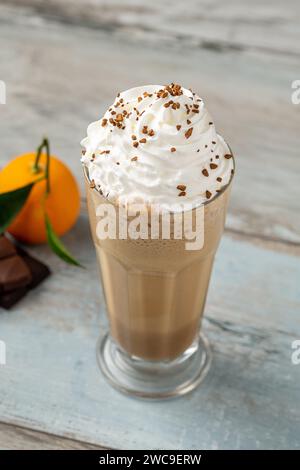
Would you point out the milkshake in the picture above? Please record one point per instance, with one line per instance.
(157, 146)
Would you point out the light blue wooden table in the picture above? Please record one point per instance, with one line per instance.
(62, 69)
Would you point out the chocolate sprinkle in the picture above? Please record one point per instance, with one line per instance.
(189, 133)
(174, 89)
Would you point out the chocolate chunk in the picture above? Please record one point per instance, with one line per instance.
(6, 247)
(39, 271)
(9, 299)
(14, 273)
(11, 271)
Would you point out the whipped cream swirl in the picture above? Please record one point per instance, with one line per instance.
(157, 145)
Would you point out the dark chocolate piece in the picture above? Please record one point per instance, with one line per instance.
(39, 271)
(9, 299)
(36, 271)
(14, 273)
(7, 248)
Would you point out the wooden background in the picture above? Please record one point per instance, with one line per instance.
(63, 63)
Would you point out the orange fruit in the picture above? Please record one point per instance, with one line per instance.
(62, 204)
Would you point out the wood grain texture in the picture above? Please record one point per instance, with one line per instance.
(249, 399)
(272, 27)
(18, 438)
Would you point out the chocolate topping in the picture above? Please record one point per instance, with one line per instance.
(213, 166)
(188, 133)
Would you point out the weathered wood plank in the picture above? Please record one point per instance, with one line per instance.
(250, 398)
(18, 438)
(59, 78)
(268, 26)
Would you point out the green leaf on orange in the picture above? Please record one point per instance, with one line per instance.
(57, 246)
(11, 203)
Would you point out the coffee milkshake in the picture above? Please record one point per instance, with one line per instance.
(157, 146)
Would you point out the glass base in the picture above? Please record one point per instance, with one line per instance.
(154, 379)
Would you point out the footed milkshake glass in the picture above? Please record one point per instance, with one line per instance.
(155, 292)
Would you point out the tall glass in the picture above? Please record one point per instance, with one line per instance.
(155, 293)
